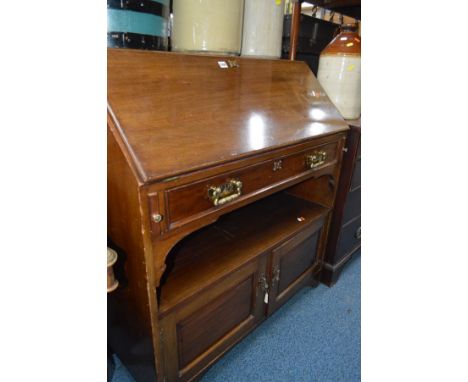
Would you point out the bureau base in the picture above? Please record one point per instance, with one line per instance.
(224, 280)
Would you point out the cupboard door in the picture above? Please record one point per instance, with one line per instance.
(292, 266)
(198, 333)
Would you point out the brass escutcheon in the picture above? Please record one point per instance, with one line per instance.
(277, 165)
(276, 275)
(263, 284)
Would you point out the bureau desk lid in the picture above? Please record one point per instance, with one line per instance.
(178, 113)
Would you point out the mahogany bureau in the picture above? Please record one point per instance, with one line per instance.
(222, 174)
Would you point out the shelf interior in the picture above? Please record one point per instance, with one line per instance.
(236, 238)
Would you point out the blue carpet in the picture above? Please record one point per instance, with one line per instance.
(315, 337)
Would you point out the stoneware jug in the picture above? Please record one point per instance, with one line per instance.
(207, 26)
(339, 71)
(262, 34)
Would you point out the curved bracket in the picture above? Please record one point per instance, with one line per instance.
(163, 245)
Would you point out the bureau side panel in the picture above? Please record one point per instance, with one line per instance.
(130, 333)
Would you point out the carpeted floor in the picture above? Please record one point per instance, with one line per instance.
(315, 337)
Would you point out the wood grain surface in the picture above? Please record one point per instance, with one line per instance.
(178, 113)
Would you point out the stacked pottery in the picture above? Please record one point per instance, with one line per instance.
(213, 26)
(339, 71)
(263, 28)
(138, 24)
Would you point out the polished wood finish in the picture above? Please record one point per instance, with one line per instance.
(188, 202)
(204, 303)
(345, 230)
(191, 114)
(204, 327)
(215, 251)
(177, 125)
(293, 264)
(214, 320)
(133, 305)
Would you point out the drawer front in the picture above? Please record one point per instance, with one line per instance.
(356, 180)
(188, 202)
(350, 238)
(352, 207)
(358, 155)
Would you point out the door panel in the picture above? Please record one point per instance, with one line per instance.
(292, 265)
(199, 332)
(201, 329)
(296, 262)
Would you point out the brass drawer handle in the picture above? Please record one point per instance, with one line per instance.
(226, 192)
(316, 159)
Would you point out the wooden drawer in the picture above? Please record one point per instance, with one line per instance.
(356, 180)
(192, 201)
(350, 238)
(352, 207)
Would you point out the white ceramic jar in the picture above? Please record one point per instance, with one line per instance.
(263, 28)
(207, 25)
(339, 72)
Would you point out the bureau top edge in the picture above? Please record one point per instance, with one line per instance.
(180, 113)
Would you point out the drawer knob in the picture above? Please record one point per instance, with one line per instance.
(226, 192)
(156, 218)
(357, 235)
(316, 159)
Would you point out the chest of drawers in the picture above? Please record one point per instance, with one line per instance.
(345, 229)
(221, 181)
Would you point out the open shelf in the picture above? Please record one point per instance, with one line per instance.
(215, 251)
